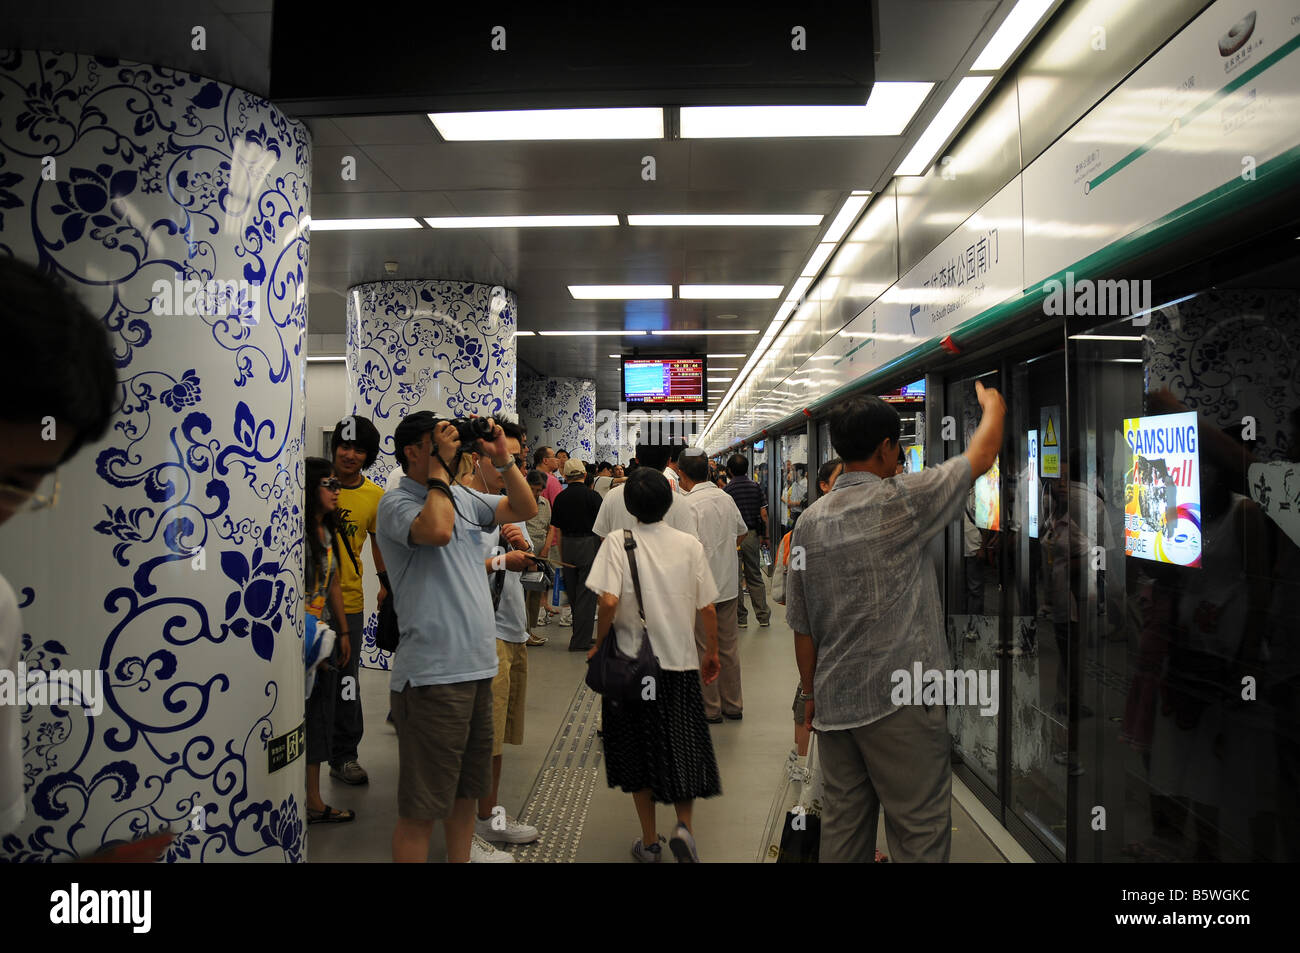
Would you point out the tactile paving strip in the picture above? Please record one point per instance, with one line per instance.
(558, 803)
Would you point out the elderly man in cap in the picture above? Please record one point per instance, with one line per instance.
(572, 518)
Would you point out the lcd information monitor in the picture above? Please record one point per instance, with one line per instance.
(664, 383)
(909, 392)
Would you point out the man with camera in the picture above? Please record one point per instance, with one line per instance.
(442, 671)
(506, 555)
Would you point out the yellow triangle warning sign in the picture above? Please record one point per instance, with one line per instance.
(1049, 435)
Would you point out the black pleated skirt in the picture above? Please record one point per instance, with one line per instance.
(663, 745)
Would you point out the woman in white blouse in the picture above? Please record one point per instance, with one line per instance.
(658, 748)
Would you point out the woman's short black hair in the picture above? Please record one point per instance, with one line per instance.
(536, 478)
(365, 437)
(827, 468)
(65, 367)
(860, 424)
(647, 494)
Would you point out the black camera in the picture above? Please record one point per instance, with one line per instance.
(471, 430)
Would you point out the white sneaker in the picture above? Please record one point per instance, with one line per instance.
(544, 618)
(481, 852)
(566, 617)
(514, 832)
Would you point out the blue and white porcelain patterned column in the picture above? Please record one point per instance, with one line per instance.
(175, 208)
(560, 412)
(442, 346)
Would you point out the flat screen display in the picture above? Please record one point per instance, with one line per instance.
(912, 391)
(1162, 489)
(664, 383)
(988, 498)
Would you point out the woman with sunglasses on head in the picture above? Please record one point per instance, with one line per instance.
(324, 543)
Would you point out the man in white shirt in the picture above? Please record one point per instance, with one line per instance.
(720, 528)
(614, 517)
(64, 389)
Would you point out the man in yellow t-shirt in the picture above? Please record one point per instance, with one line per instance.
(354, 447)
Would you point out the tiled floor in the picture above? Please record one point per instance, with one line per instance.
(751, 757)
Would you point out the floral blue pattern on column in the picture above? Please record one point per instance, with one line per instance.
(175, 207)
(444, 346)
(560, 412)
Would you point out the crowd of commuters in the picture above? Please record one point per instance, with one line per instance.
(663, 551)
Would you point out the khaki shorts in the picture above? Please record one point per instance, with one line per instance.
(508, 691)
(444, 746)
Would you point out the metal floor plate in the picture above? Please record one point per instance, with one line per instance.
(558, 803)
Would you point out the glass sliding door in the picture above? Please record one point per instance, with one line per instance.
(1040, 602)
(974, 605)
(1189, 437)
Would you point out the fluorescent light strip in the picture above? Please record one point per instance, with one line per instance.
(692, 333)
(943, 125)
(1018, 24)
(538, 124)
(819, 258)
(1106, 337)
(620, 292)
(887, 112)
(360, 224)
(720, 380)
(729, 221)
(724, 368)
(327, 360)
(607, 334)
(729, 291)
(523, 221)
(845, 217)
(797, 289)
(525, 333)
(726, 355)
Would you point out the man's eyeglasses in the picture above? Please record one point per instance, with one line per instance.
(17, 499)
(331, 483)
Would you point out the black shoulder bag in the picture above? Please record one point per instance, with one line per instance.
(386, 631)
(612, 674)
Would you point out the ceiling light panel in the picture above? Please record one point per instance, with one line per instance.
(943, 125)
(889, 109)
(727, 221)
(845, 217)
(539, 124)
(819, 256)
(730, 291)
(524, 221)
(703, 331)
(360, 224)
(588, 333)
(620, 292)
(1015, 28)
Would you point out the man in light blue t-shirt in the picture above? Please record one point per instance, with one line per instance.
(429, 532)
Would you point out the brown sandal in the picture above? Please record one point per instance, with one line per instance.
(330, 816)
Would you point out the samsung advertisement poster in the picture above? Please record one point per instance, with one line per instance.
(1162, 490)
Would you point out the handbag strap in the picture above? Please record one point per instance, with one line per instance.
(629, 546)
